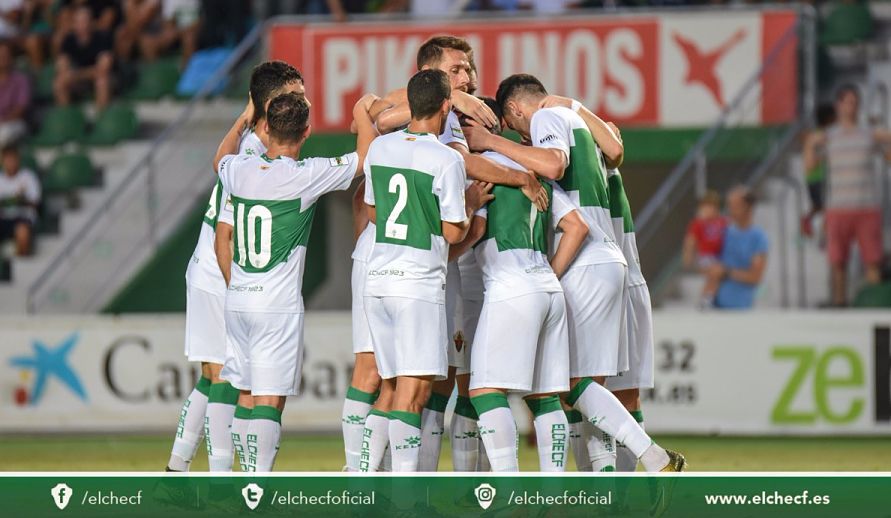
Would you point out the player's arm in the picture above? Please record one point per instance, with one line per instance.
(607, 139)
(484, 170)
(365, 128)
(223, 247)
(751, 275)
(475, 196)
(812, 144)
(546, 162)
(575, 231)
(476, 231)
(360, 213)
(229, 144)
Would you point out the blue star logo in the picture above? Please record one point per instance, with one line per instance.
(51, 361)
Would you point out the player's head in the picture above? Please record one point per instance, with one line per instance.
(490, 102)
(270, 79)
(740, 204)
(287, 119)
(429, 96)
(450, 54)
(847, 102)
(709, 205)
(519, 96)
(473, 83)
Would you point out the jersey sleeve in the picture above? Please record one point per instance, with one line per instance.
(561, 205)
(369, 190)
(32, 187)
(227, 212)
(331, 174)
(550, 131)
(483, 212)
(453, 132)
(449, 188)
(761, 243)
(225, 171)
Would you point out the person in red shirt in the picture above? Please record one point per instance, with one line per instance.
(705, 240)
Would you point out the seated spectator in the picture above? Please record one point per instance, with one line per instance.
(179, 24)
(15, 98)
(853, 189)
(37, 30)
(105, 17)
(140, 16)
(705, 234)
(85, 62)
(743, 258)
(816, 175)
(10, 15)
(19, 197)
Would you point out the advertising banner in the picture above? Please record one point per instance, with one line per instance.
(656, 69)
(812, 373)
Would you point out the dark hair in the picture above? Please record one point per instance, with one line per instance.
(266, 78)
(430, 52)
(426, 92)
(847, 88)
(825, 115)
(517, 85)
(288, 117)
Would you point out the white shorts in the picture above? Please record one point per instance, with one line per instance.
(267, 352)
(205, 326)
(640, 343)
(361, 333)
(522, 344)
(595, 307)
(409, 336)
(470, 317)
(453, 316)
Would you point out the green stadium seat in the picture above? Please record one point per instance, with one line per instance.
(847, 23)
(60, 124)
(874, 296)
(43, 83)
(68, 172)
(116, 123)
(156, 80)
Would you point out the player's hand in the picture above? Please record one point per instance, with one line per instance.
(615, 130)
(248, 113)
(360, 110)
(552, 101)
(477, 194)
(474, 108)
(535, 191)
(477, 136)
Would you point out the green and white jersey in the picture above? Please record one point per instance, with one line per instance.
(584, 179)
(203, 271)
(623, 224)
(274, 201)
(415, 182)
(365, 243)
(513, 253)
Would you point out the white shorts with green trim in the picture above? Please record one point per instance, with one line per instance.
(361, 332)
(409, 336)
(267, 352)
(640, 373)
(205, 326)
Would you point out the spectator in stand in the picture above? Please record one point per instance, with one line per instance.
(105, 16)
(37, 30)
(853, 189)
(19, 197)
(705, 234)
(815, 177)
(140, 17)
(15, 98)
(179, 24)
(10, 16)
(85, 62)
(743, 258)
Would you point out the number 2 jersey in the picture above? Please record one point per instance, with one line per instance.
(415, 183)
(203, 271)
(584, 180)
(273, 202)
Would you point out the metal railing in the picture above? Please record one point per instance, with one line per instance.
(134, 202)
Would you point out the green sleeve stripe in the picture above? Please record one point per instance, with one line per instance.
(487, 402)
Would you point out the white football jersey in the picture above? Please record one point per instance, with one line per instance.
(274, 202)
(623, 225)
(584, 179)
(365, 243)
(203, 271)
(415, 183)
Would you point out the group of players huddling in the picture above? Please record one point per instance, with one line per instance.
(455, 280)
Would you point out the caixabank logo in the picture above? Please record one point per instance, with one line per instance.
(46, 362)
(828, 385)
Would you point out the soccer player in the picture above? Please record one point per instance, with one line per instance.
(565, 150)
(521, 343)
(416, 188)
(210, 407)
(274, 198)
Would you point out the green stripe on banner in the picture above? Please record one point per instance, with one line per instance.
(223, 392)
(360, 396)
(481, 494)
(545, 405)
(437, 402)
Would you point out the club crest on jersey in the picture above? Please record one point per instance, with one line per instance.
(459, 340)
(457, 132)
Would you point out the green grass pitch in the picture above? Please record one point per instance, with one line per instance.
(325, 453)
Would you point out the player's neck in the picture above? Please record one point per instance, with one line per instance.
(260, 131)
(277, 150)
(430, 125)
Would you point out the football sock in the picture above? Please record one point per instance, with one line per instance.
(577, 440)
(374, 440)
(601, 449)
(220, 411)
(602, 409)
(240, 423)
(625, 460)
(551, 432)
(432, 429)
(355, 409)
(263, 436)
(465, 436)
(190, 427)
(482, 462)
(498, 430)
(405, 440)
(387, 461)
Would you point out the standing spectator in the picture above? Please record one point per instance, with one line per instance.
(15, 98)
(85, 61)
(815, 177)
(853, 189)
(743, 257)
(19, 197)
(179, 23)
